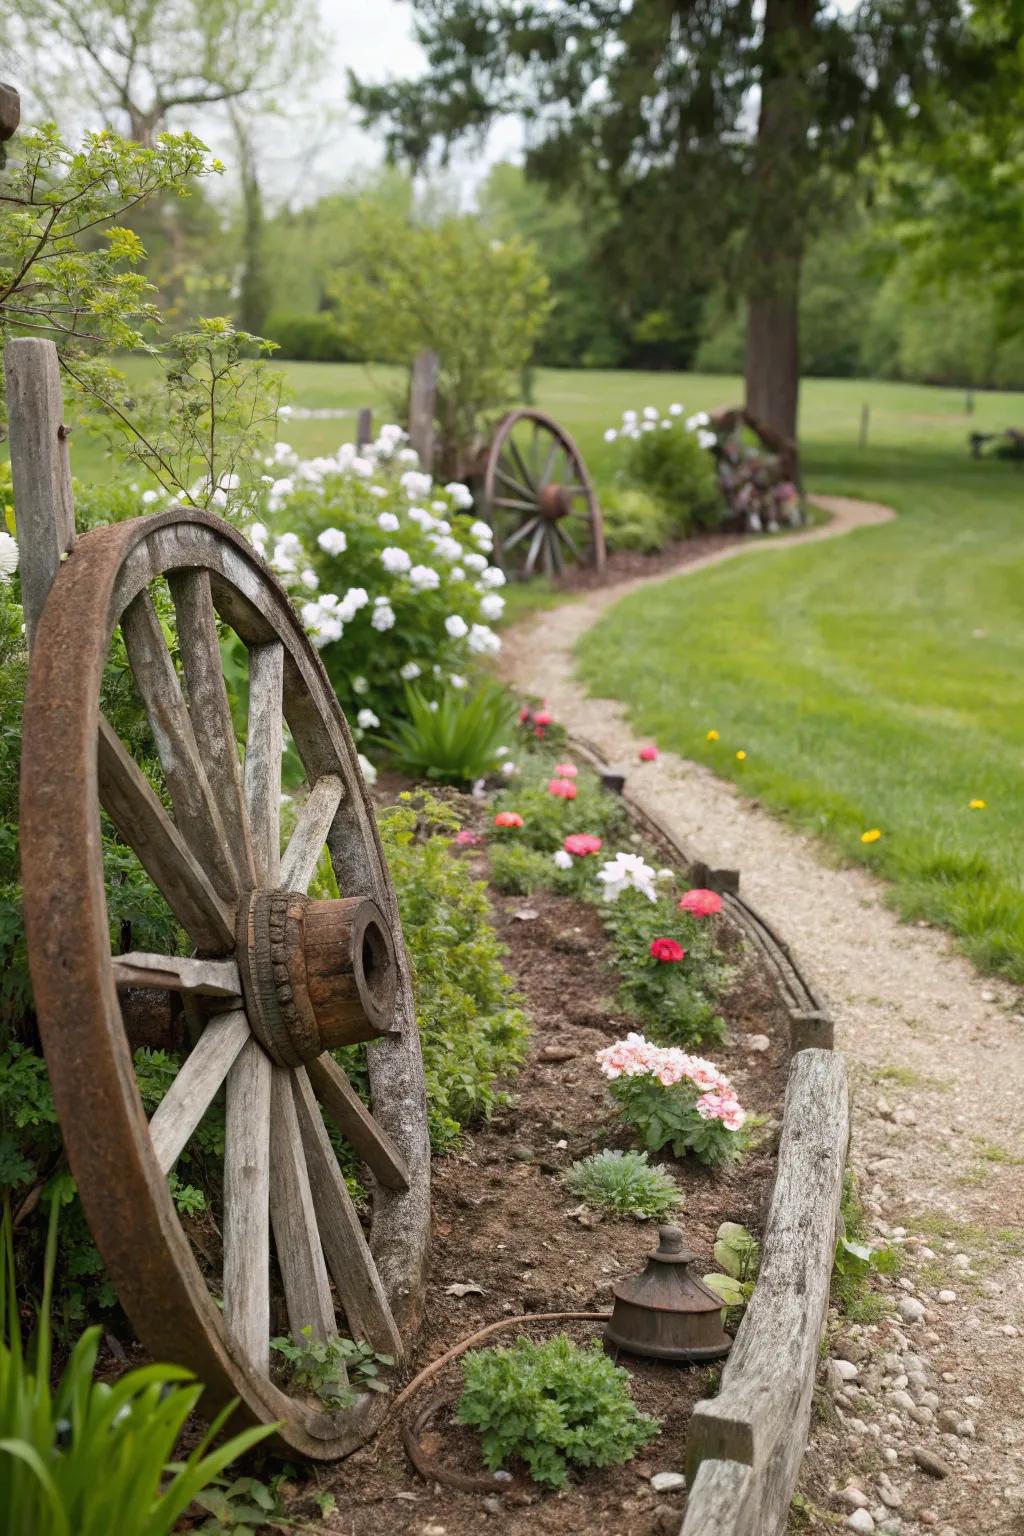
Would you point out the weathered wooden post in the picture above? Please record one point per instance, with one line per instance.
(422, 398)
(865, 417)
(44, 506)
(364, 427)
(10, 116)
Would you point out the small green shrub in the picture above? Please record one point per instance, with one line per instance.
(739, 1255)
(548, 819)
(471, 1024)
(520, 871)
(334, 1370)
(88, 1458)
(624, 1183)
(666, 1116)
(308, 338)
(552, 1405)
(456, 737)
(678, 1001)
(672, 467)
(635, 520)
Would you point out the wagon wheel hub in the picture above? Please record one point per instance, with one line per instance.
(315, 974)
(555, 502)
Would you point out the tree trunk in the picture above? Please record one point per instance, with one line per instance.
(253, 294)
(778, 199)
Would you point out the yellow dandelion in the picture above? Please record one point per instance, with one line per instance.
(978, 805)
(871, 836)
(712, 736)
(741, 757)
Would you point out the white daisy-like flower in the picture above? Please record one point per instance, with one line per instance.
(395, 560)
(456, 626)
(447, 548)
(332, 541)
(148, 497)
(629, 417)
(367, 720)
(675, 409)
(651, 413)
(706, 439)
(627, 871)
(562, 860)
(483, 534)
(457, 573)
(378, 490)
(508, 769)
(425, 519)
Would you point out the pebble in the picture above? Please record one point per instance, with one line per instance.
(432, 1528)
(846, 1370)
(854, 1497)
(910, 1309)
(523, 1154)
(757, 1043)
(493, 1504)
(890, 1456)
(668, 1482)
(947, 1297)
(930, 1463)
(666, 1520)
(860, 1520)
(905, 1401)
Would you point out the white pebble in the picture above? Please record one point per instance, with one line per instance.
(854, 1497)
(910, 1309)
(846, 1369)
(668, 1482)
(947, 1297)
(860, 1520)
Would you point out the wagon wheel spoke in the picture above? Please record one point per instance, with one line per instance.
(300, 859)
(549, 462)
(513, 448)
(263, 753)
(247, 1204)
(196, 811)
(535, 546)
(199, 648)
(567, 538)
(513, 484)
(194, 1088)
(370, 1142)
(132, 805)
(511, 503)
(173, 973)
(522, 532)
(356, 1279)
(300, 1254)
(553, 563)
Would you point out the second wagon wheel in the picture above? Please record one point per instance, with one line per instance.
(276, 978)
(539, 499)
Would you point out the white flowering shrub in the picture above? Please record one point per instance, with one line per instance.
(669, 457)
(391, 573)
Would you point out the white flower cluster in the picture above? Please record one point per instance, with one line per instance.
(8, 557)
(650, 419)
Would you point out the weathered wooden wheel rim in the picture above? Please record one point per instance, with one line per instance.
(540, 502)
(111, 1148)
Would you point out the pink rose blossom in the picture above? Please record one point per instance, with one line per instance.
(566, 770)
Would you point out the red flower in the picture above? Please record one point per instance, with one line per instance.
(564, 788)
(566, 770)
(648, 754)
(701, 903)
(667, 950)
(508, 819)
(542, 717)
(524, 715)
(582, 843)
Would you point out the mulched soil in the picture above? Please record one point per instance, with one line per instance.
(503, 1221)
(625, 564)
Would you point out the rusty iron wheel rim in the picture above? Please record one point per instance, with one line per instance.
(539, 498)
(110, 1145)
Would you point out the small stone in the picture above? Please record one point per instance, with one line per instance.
(947, 1297)
(757, 1043)
(922, 1415)
(666, 1520)
(522, 1154)
(890, 1456)
(927, 1517)
(948, 1530)
(988, 996)
(966, 1430)
(961, 1261)
(854, 1497)
(433, 1528)
(558, 1053)
(1009, 1330)
(890, 1496)
(948, 1420)
(860, 1520)
(668, 1482)
(930, 1463)
(905, 1401)
(493, 1504)
(846, 1369)
(910, 1309)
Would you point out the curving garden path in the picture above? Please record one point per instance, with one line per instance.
(922, 1429)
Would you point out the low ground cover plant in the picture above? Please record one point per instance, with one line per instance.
(553, 1406)
(674, 1100)
(668, 457)
(738, 1255)
(625, 1184)
(334, 1370)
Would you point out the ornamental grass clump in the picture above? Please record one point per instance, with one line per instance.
(674, 1100)
(552, 1405)
(456, 738)
(625, 1184)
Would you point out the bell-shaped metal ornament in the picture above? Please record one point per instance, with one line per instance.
(666, 1313)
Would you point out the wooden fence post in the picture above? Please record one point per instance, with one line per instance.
(364, 427)
(422, 397)
(44, 507)
(865, 417)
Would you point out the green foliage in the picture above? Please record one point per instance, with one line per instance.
(553, 1405)
(478, 303)
(548, 819)
(87, 1458)
(310, 338)
(667, 1117)
(739, 1255)
(677, 473)
(519, 871)
(634, 519)
(334, 1370)
(678, 1001)
(471, 1025)
(456, 737)
(625, 1184)
(856, 1262)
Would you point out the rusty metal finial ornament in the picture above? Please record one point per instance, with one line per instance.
(666, 1313)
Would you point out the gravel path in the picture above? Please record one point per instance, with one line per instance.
(921, 1426)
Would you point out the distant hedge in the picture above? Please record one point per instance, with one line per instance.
(308, 338)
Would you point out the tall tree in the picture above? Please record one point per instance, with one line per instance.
(714, 126)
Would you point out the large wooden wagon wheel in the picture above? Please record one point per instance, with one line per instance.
(275, 979)
(538, 498)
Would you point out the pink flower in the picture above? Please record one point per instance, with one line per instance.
(565, 789)
(701, 903)
(468, 838)
(542, 718)
(566, 770)
(582, 843)
(667, 950)
(716, 1106)
(648, 754)
(524, 715)
(508, 819)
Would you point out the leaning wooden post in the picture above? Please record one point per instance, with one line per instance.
(422, 398)
(44, 506)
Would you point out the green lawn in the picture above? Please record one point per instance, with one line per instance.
(874, 682)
